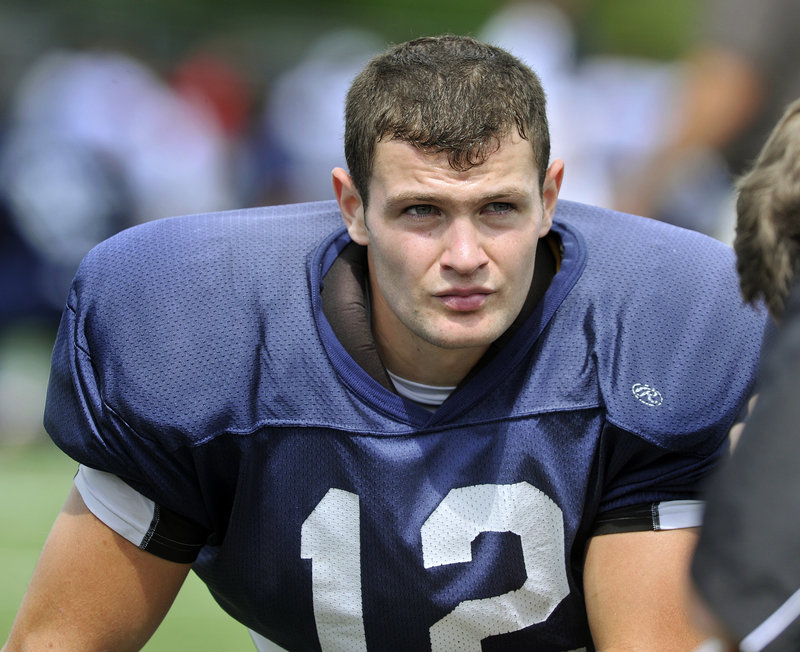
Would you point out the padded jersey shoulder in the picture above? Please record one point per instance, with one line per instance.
(672, 347)
(177, 316)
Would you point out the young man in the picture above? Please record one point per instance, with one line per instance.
(471, 419)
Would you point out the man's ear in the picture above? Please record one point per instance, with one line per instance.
(350, 205)
(550, 189)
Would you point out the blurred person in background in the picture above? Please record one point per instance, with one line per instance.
(746, 567)
(97, 141)
(302, 115)
(606, 111)
(739, 77)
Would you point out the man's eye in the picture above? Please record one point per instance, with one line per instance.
(421, 210)
(499, 207)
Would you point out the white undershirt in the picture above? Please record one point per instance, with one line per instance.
(429, 396)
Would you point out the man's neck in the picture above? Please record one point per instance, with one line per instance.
(426, 363)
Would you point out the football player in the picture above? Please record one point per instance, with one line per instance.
(472, 417)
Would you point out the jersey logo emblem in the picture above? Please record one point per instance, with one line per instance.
(647, 395)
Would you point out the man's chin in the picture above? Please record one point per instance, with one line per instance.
(468, 339)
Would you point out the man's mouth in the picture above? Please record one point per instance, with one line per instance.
(464, 300)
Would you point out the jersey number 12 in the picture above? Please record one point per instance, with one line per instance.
(330, 538)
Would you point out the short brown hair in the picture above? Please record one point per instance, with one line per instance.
(449, 94)
(767, 239)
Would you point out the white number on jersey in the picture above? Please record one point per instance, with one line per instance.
(330, 537)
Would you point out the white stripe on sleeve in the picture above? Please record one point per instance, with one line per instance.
(116, 504)
(677, 514)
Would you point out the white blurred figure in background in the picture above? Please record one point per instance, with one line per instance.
(97, 141)
(604, 111)
(304, 113)
(738, 77)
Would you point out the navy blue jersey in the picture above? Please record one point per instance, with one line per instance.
(194, 362)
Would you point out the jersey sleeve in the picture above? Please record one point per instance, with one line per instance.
(138, 519)
(649, 487)
(168, 345)
(96, 343)
(656, 516)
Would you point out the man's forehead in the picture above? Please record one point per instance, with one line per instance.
(396, 156)
(388, 147)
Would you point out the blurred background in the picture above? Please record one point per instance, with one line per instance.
(114, 112)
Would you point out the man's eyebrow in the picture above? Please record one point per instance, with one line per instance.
(403, 197)
(411, 198)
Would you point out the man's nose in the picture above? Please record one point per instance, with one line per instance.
(463, 247)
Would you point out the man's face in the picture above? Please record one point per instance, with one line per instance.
(451, 253)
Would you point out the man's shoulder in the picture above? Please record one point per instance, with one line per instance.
(658, 308)
(203, 259)
(179, 315)
(647, 263)
(237, 231)
(207, 260)
(644, 237)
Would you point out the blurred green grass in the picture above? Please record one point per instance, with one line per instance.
(34, 481)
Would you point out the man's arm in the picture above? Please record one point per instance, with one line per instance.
(637, 589)
(92, 589)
